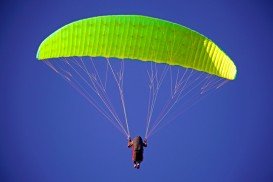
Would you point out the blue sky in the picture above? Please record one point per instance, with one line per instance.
(48, 132)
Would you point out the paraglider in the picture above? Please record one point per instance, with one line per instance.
(137, 145)
(84, 53)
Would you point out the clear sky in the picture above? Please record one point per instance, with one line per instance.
(48, 132)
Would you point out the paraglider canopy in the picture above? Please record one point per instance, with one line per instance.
(138, 37)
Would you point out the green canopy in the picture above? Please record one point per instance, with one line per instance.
(138, 38)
